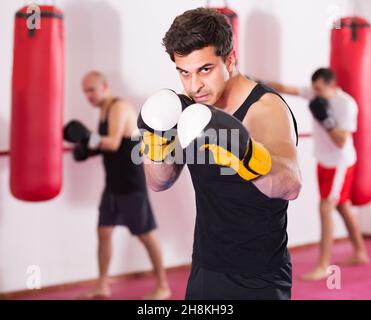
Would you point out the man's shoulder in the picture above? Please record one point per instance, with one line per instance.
(271, 101)
(122, 108)
(270, 104)
(121, 104)
(270, 107)
(346, 99)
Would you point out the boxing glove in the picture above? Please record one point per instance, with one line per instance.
(320, 111)
(157, 122)
(76, 132)
(81, 152)
(226, 138)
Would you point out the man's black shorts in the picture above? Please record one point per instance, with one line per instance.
(129, 209)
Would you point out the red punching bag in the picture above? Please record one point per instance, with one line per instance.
(233, 20)
(351, 61)
(37, 104)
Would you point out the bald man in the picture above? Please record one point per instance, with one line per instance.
(124, 201)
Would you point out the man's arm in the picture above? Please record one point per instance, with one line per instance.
(346, 124)
(118, 117)
(339, 136)
(270, 123)
(284, 88)
(161, 176)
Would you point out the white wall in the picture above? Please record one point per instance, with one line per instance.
(282, 40)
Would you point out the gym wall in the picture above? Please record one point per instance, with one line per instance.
(123, 39)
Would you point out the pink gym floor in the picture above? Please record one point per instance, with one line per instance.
(355, 281)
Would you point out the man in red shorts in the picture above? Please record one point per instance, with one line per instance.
(335, 114)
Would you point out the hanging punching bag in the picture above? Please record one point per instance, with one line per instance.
(351, 61)
(37, 104)
(233, 20)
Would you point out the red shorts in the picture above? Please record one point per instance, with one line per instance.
(335, 183)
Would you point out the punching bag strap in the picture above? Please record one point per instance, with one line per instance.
(354, 26)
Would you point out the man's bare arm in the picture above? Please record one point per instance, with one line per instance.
(270, 123)
(284, 88)
(118, 117)
(161, 176)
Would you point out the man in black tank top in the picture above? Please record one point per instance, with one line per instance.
(240, 239)
(124, 200)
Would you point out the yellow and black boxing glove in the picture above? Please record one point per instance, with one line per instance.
(157, 147)
(226, 138)
(157, 122)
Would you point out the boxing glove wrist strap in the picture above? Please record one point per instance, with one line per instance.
(94, 141)
(156, 147)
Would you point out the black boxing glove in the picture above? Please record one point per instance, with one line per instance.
(320, 111)
(81, 152)
(203, 125)
(76, 132)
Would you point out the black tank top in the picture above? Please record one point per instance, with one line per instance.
(238, 228)
(122, 175)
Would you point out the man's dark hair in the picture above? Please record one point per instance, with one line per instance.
(324, 73)
(196, 29)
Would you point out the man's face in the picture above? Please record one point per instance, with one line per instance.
(94, 89)
(323, 89)
(203, 74)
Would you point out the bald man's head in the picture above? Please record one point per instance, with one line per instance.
(95, 87)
